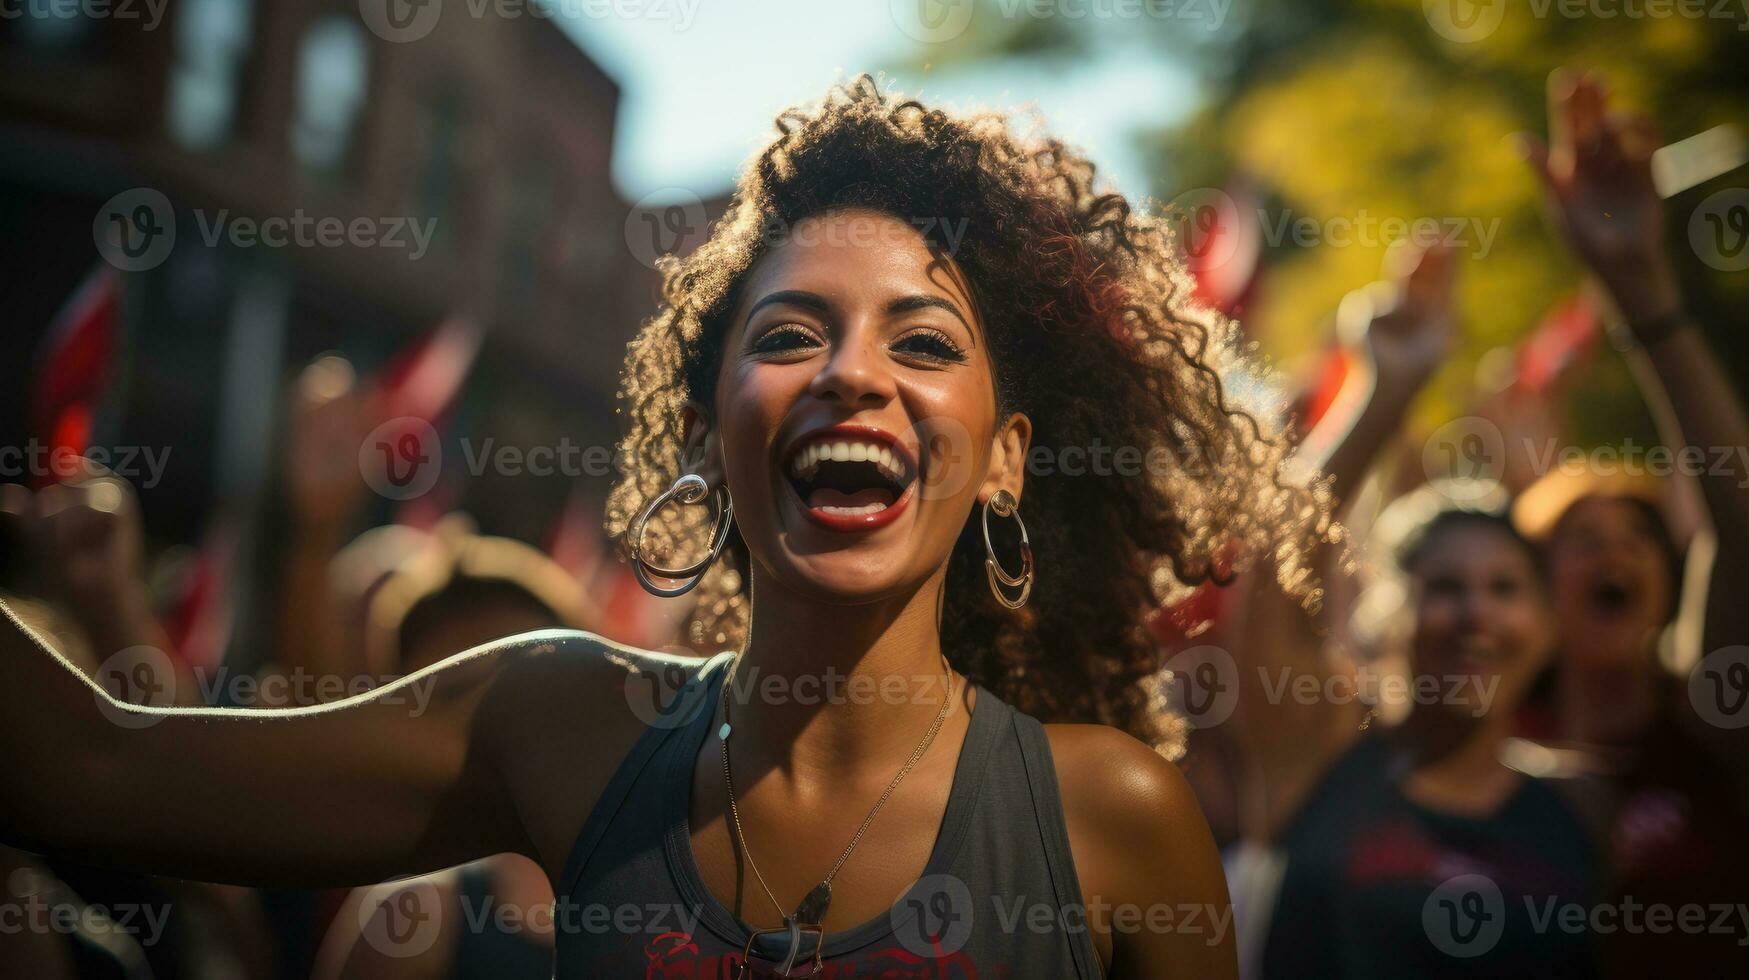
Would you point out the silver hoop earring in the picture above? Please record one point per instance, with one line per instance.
(689, 489)
(1004, 504)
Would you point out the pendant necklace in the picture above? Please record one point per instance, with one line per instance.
(811, 912)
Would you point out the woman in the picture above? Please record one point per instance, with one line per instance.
(1669, 752)
(1409, 849)
(1420, 853)
(891, 281)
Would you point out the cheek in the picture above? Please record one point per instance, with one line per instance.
(752, 404)
(1435, 616)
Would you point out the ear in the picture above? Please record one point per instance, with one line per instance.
(702, 452)
(1007, 458)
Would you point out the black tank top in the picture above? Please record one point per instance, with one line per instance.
(998, 897)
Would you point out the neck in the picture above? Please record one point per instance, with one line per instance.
(825, 687)
(1457, 759)
(1605, 703)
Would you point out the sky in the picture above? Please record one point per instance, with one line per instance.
(702, 80)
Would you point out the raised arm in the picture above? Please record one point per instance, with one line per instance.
(452, 763)
(1407, 325)
(1596, 175)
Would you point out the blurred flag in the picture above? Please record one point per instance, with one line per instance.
(423, 380)
(1222, 247)
(74, 364)
(1567, 335)
(199, 621)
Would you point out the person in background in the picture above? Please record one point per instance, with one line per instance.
(461, 591)
(80, 550)
(1353, 831)
(1678, 808)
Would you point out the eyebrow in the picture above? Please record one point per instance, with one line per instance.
(791, 297)
(818, 304)
(923, 301)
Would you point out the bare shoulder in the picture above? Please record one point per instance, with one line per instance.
(1143, 850)
(565, 708)
(1111, 780)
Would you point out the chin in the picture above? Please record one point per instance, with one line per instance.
(845, 578)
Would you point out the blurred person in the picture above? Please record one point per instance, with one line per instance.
(898, 295)
(1678, 811)
(83, 557)
(461, 592)
(1367, 845)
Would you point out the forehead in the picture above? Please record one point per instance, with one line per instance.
(1473, 547)
(1594, 513)
(853, 255)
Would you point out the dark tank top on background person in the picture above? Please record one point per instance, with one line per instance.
(998, 897)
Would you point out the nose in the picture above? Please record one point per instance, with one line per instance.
(856, 373)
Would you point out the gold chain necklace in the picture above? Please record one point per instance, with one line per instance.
(812, 909)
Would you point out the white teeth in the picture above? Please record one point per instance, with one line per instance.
(869, 509)
(808, 458)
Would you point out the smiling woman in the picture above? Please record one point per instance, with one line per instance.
(1065, 302)
(831, 424)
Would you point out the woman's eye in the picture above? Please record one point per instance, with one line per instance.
(930, 344)
(788, 337)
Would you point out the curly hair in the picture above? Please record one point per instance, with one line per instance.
(1093, 335)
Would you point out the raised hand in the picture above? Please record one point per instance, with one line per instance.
(1413, 319)
(329, 418)
(85, 543)
(1597, 179)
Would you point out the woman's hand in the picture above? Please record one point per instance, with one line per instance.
(1596, 174)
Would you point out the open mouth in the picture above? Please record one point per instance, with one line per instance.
(1612, 597)
(850, 480)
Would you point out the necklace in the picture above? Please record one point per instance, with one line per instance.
(812, 910)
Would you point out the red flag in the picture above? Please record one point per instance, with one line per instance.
(423, 380)
(74, 364)
(1222, 245)
(1567, 335)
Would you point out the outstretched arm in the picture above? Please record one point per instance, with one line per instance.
(452, 763)
(397, 781)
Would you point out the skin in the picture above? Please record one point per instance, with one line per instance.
(1595, 171)
(514, 750)
(1481, 613)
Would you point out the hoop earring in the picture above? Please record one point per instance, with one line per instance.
(689, 489)
(1004, 504)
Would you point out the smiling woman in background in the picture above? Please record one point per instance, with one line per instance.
(831, 421)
